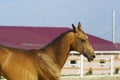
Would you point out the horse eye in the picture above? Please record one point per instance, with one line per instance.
(82, 40)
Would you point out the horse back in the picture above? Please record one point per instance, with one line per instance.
(8, 53)
(16, 63)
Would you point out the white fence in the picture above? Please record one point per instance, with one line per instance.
(105, 63)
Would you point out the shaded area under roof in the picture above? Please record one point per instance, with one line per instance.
(38, 37)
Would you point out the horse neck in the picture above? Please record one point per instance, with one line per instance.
(59, 50)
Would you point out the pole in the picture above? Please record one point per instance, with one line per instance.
(113, 40)
(113, 26)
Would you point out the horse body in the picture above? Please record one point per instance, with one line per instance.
(35, 64)
(45, 63)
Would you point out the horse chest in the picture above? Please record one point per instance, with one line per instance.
(47, 69)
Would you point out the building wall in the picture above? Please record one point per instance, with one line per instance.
(100, 65)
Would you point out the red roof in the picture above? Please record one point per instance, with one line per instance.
(37, 37)
(100, 44)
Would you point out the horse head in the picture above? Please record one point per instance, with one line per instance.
(81, 43)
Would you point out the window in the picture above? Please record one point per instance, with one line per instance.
(73, 62)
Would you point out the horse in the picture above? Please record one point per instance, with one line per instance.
(44, 63)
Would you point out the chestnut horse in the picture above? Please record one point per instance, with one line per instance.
(45, 63)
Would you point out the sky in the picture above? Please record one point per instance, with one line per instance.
(94, 15)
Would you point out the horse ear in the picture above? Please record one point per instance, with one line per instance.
(74, 28)
(79, 26)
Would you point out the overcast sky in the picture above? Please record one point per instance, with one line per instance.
(95, 15)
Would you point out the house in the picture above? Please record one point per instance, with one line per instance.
(107, 53)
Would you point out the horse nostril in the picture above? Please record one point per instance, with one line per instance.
(93, 56)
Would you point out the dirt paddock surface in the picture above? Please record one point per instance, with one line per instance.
(97, 77)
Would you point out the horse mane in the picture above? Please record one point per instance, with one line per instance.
(56, 39)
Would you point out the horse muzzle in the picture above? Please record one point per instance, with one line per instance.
(89, 56)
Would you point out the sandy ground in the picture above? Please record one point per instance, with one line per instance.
(97, 77)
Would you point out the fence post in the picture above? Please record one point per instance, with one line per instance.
(81, 66)
(111, 64)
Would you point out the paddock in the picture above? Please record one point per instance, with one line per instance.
(103, 64)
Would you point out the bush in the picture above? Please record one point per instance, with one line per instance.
(90, 71)
(116, 71)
